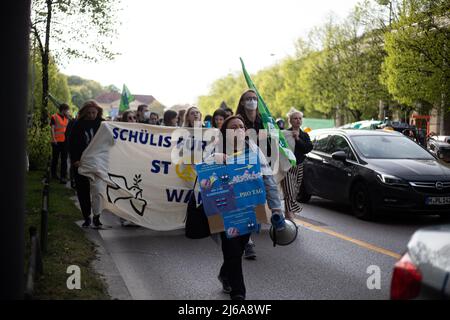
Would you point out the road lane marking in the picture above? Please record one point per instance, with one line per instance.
(360, 243)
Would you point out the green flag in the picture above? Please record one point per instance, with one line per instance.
(125, 99)
(269, 122)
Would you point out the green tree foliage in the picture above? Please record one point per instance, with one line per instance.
(334, 71)
(389, 51)
(38, 145)
(226, 89)
(83, 90)
(58, 83)
(76, 29)
(417, 66)
(38, 138)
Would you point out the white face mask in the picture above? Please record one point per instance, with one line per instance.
(147, 115)
(251, 105)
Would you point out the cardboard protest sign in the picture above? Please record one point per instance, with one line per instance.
(231, 193)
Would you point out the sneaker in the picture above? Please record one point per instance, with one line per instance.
(87, 223)
(249, 252)
(226, 288)
(126, 223)
(97, 222)
(237, 297)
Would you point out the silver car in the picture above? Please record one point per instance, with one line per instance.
(424, 271)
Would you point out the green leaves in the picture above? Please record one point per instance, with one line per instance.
(79, 28)
(38, 145)
(417, 66)
(395, 52)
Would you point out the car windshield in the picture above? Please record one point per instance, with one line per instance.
(389, 147)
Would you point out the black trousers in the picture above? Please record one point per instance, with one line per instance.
(59, 150)
(231, 269)
(84, 193)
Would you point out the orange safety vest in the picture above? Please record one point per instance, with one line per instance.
(60, 127)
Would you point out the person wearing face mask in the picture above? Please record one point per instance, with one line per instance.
(143, 115)
(248, 110)
(83, 131)
(231, 275)
(58, 124)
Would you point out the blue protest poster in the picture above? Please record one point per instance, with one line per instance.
(233, 190)
(240, 221)
(217, 193)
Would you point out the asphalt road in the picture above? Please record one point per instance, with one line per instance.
(329, 260)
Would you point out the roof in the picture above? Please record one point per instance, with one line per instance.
(179, 107)
(110, 97)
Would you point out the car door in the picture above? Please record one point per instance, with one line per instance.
(340, 173)
(315, 178)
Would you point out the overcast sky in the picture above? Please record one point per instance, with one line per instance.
(175, 49)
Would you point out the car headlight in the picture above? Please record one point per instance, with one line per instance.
(391, 180)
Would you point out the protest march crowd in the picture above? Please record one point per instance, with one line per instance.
(71, 137)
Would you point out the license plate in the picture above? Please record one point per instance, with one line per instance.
(437, 201)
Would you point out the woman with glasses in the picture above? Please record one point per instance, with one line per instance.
(129, 116)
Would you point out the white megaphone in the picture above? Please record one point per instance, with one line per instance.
(282, 231)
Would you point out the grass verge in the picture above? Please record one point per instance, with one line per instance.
(67, 244)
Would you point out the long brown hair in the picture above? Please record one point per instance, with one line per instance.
(83, 111)
(241, 108)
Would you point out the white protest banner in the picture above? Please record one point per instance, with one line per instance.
(133, 176)
(137, 171)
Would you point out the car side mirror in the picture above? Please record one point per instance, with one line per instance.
(339, 156)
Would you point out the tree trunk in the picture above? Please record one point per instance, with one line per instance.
(45, 67)
(339, 117)
(441, 116)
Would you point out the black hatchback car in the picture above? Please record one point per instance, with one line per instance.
(375, 171)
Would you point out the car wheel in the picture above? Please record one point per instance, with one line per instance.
(303, 196)
(361, 204)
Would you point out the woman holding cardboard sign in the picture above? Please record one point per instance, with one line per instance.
(230, 274)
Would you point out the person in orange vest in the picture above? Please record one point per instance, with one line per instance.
(58, 123)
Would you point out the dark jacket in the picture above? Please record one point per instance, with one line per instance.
(258, 125)
(68, 131)
(302, 146)
(82, 133)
